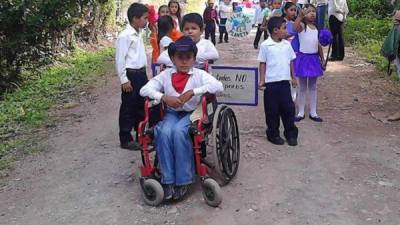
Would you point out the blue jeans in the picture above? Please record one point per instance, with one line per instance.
(174, 148)
(321, 12)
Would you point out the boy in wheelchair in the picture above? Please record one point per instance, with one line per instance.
(180, 88)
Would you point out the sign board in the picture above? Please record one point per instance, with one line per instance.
(238, 25)
(240, 84)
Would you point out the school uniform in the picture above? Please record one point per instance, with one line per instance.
(174, 146)
(131, 61)
(225, 10)
(258, 20)
(278, 103)
(337, 12)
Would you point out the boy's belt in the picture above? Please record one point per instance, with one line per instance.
(143, 69)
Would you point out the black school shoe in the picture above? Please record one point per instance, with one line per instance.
(298, 118)
(276, 140)
(316, 119)
(131, 146)
(292, 141)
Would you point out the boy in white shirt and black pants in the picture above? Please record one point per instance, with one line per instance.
(258, 20)
(131, 65)
(276, 71)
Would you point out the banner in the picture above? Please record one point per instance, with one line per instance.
(240, 84)
(239, 25)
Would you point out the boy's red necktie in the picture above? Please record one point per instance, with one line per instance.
(179, 80)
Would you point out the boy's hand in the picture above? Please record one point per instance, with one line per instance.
(172, 101)
(127, 87)
(261, 85)
(186, 96)
(294, 83)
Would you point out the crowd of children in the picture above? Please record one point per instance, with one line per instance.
(290, 56)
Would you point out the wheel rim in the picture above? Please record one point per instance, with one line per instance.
(150, 193)
(208, 192)
(227, 143)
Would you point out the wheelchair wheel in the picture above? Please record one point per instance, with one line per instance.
(153, 192)
(226, 143)
(212, 192)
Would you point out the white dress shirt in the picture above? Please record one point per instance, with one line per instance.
(205, 51)
(199, 81)
(277, 56)
(225, 10)
(259, 15)
(338, 9)
(130, 52)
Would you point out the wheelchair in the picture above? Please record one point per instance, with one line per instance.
(216, 149)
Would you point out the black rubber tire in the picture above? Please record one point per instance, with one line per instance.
(153, 192)
(212, 192)
(226, 142)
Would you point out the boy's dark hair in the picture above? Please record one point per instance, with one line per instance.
(136, 10)
(275, 22)
(165, 25)
(193, 18)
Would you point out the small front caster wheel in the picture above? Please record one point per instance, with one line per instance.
(212, 192)
(153, 192)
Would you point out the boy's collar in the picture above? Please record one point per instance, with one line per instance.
(130, 27)
(271, 41)
(174, 70)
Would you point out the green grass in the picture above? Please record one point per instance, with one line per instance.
(27, 109)
(366, 36)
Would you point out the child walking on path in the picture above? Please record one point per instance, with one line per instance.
(276, 72)
(259, 16)
(210, 16)
(131, 62)
(309, 61)
(225, 10)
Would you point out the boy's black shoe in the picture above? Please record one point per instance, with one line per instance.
(298, 118)
(316, 119)
(255, 46)
(220, 41)
(276, 140)
(168, 191)
(131, 145)
(292, 141)
(180, 192)
(226, 41)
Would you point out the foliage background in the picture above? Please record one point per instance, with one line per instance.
(33, 31)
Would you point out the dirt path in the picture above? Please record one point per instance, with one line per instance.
(345, 171)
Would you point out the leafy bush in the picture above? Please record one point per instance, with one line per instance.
(32, 31)
(370, 8)
(366, 35)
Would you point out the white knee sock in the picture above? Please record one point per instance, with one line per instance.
(301, 98)
(312, 91)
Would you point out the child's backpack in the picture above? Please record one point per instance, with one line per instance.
(390, 46)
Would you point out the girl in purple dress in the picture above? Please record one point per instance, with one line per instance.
(309, 62)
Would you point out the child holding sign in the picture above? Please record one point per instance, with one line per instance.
(276, 71)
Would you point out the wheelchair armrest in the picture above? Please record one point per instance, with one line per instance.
(206, 99)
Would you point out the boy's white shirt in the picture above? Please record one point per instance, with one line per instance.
(225, 10)
(199, 81)
(277, 56)
(338, 8)
(130, 52)
(205, 51)
(259, 15)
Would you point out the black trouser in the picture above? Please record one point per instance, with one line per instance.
(222, 30)
(210, 30)
(336, 28)
(258, 35)
(132, 106)
(278, 104)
